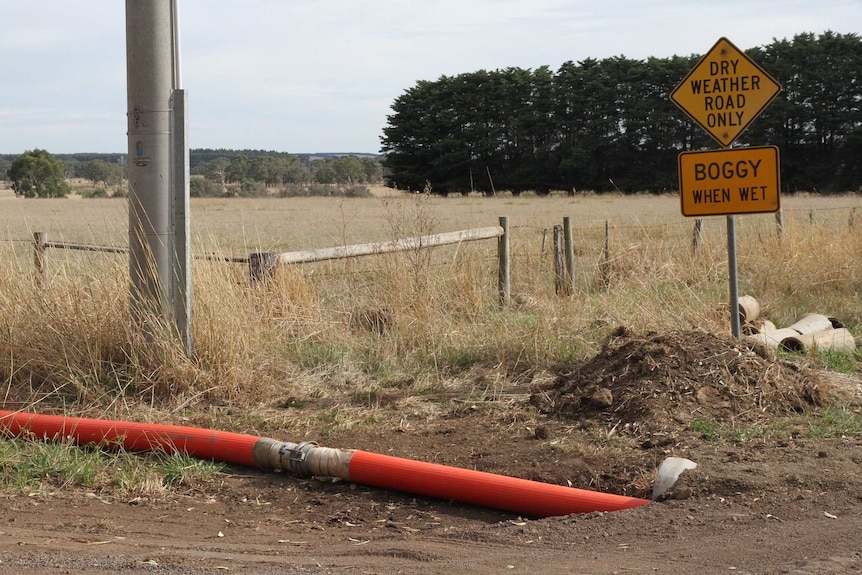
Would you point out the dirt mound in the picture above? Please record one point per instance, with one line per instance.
(661, 382)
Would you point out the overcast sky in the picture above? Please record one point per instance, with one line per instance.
(320, 75)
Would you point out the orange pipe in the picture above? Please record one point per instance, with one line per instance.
(479, 488)
(429, 479)
(218, 445)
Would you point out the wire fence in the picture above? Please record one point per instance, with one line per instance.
(582, 253)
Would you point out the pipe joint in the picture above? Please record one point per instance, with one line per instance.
(305, 459)
(291, 457)
(294, 457)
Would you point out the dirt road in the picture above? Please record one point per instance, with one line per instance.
(768, 498)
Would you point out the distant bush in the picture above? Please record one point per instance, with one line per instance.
(37, 174)
(94, 193)
(250, 188)
(357, 192)
(324, 190)
(203, 188)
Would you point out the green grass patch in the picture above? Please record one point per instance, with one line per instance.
(826, 423)
(834, 422)
(36, 466)
(30, 466)
(709, 430)
(839, 361)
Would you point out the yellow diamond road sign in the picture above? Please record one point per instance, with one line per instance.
(725, 92)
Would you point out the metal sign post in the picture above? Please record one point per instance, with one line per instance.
(723, 94)
(732, 277)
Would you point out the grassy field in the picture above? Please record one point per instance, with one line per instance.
(412, 355)
(423, 322)
(351, 343)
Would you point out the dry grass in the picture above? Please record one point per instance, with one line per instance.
(351, 335)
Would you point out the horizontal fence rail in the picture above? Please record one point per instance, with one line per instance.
(86, 247)
(402, 245)
(263, 264)
(43, 244)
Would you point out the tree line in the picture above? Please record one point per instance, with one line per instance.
(609, 124)
(245, 175)
(37, 173)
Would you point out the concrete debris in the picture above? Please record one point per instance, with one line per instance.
(810, 331)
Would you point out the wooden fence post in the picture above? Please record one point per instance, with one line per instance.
(779, 222)
(851, 219)
(697, 235)
(504, 277)
(39, 257)
(606, 265)
(570, 254)
(261, 266)
(560, 286)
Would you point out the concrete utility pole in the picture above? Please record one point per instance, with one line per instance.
(160, 298)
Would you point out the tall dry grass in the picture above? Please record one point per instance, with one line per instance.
(356, 333)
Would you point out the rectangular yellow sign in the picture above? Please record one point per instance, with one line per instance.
(729, 182)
